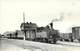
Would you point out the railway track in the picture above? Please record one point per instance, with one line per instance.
(68, 44)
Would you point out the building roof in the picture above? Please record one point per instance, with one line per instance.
(29, 25)
(76, 27)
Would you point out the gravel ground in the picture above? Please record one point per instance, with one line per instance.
(22, 45)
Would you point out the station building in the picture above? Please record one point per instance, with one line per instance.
(30, 29)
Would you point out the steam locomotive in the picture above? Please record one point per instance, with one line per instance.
(41, 34)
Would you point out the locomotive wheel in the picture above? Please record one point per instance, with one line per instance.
(49, 41)
(46, 41)
(54, 41)
(71, 40)
(43, 40)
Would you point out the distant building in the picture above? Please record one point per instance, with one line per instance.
(76, 32)
(66, 35)
(0, 36)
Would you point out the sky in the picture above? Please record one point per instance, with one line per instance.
(41, 12)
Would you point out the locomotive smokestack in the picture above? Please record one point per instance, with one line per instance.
(51, 24)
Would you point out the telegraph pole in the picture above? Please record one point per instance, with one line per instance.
(24, 26)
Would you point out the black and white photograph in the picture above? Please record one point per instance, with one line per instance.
(39, 25)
